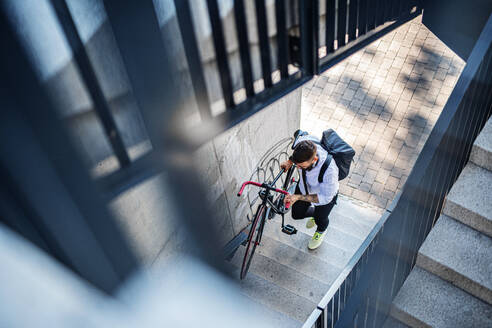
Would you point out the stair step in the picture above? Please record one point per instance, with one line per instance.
(297, 260)
(327, 252)
(425, 300)
(344, 216)
(470, 199)
(460, 255)
(282, 275)
(273, 318)
(353, 220)
(275, 297)
(348, 225)
(335, 237)
(481, 153)
(340, 225)
(393, 323)
(357, 210)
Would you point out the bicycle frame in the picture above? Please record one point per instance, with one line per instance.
(267, 188)
(263, 211)
(265, 194)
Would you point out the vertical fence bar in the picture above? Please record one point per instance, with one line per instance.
(282, 41)
(330, 25)
(380, 7)
(242, 36)
(336, 305)
(343, 295)
(261, 20)
(309, 21)
(362, 18)
(352, 21)
(388, 8)
(320, 321)
(342, 23)
(192, 53)
(404, 8)
(395, 11)
(221, 52)
(371, 14)
(330, 313)
(90, 80)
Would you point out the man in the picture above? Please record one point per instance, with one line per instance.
(318, 200)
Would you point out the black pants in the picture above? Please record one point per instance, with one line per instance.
(302, 209)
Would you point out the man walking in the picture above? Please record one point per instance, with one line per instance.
(313, 199)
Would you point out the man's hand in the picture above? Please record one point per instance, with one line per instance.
(306, 198)
(286, 165)
(291, 199)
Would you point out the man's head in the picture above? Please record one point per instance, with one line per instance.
(305, 155)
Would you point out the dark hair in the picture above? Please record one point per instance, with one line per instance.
(303, 151)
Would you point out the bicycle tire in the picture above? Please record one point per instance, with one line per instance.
(254, 234)
(288, 179)
(288, 185)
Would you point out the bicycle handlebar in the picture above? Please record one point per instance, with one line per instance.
(263, 185)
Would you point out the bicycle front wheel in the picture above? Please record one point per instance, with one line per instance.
(290, 183)
(254, 238)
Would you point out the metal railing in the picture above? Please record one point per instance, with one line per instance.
(298, 57)
(362, 294)
(352, 24)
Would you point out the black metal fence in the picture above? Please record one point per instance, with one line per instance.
(349, 25)
(352, 24)
(362, 295)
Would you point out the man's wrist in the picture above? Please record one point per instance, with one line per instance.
(308, 198)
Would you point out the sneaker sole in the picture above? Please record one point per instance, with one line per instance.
(312, 249)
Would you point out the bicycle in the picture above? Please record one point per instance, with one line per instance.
(268, 209)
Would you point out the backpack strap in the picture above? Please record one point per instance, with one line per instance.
(324, 167)
(304, 180)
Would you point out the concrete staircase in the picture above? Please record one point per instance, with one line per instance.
(451, 284)
(287, 279)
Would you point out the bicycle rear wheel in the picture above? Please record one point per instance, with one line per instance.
(254, 238)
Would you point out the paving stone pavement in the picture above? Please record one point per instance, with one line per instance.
(384, 100)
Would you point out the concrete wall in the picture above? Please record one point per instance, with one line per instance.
(145, 212)
(234, 155)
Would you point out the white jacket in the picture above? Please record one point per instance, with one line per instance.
(329, 187)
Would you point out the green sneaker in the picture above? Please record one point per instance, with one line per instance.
(316, 241)
(310, 223)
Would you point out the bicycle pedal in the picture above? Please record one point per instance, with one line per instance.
(288, 229)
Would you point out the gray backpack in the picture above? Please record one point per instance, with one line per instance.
(339, 150)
